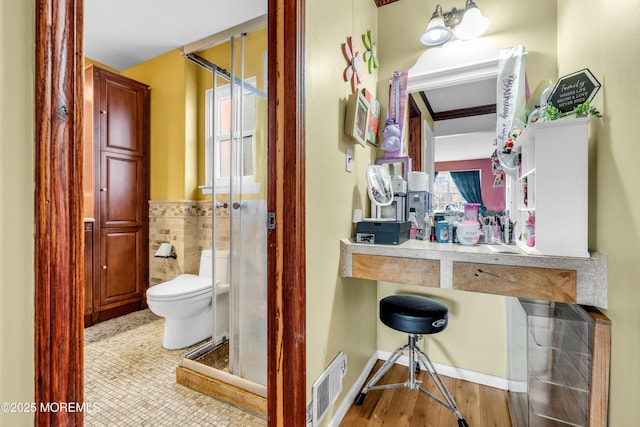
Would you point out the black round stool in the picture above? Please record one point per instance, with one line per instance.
(416, 316)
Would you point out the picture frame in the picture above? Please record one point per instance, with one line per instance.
(356, 118)
(373, 121)
(396, 166)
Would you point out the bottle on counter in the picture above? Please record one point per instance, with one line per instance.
(432, 235)
(443, 231)
(413, 231)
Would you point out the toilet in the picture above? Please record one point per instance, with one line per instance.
(186, 303)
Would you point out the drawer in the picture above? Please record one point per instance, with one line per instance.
(529, 282)
(412, 271)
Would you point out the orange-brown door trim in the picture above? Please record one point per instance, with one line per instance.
(287, 260)
(59, 266)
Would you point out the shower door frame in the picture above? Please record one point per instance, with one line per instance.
(59, 256)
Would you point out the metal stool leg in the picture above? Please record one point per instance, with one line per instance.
(417, 357)
(383, 370)
(442, 388)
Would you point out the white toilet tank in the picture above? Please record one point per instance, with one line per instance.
(222, 265)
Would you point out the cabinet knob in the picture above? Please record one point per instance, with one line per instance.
(104, 189)
(103, 112)
(104, 267)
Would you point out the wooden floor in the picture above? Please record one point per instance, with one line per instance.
(480, 405)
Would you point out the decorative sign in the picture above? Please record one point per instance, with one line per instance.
(574, 89)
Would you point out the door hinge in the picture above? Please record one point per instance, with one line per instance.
(271, 220)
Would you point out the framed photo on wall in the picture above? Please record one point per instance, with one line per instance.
(357, 115)
(373, 121)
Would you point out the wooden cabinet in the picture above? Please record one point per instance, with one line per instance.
(553, 185)
(117, 141)
(88, 272)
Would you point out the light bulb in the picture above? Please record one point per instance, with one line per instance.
(436, 33)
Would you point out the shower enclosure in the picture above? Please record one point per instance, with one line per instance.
(235, 130)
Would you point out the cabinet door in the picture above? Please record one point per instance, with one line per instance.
(88, 272)
(122, 114)
(120, 266)
(123, 195)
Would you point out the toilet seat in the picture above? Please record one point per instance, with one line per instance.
(182, 287)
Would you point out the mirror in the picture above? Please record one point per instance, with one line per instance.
(457, 85)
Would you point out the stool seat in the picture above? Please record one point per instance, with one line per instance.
(413, 314)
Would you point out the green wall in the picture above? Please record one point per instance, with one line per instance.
(340, 312)
(605, 39)
(17, 174)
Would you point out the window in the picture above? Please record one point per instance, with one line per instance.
(446, 193)
(218, 138)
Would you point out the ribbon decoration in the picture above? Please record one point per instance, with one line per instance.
(510, 104)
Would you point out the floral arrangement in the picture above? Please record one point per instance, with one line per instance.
(515, 134)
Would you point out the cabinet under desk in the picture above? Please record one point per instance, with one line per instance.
(500, 270)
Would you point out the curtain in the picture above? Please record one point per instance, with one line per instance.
(468, 182)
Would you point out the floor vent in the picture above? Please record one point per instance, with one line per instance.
(327, 387)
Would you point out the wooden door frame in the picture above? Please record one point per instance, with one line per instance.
(59, 256)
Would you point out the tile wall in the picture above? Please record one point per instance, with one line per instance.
(186, 224)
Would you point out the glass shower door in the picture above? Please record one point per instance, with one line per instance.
(248, 210)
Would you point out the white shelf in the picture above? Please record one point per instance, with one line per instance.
(554, 161)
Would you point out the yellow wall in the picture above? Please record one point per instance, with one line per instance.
(177, 115)
(476, 336)
(340, 313)
(167, 75)
(605, 39)
(17, 39)
(255, 46)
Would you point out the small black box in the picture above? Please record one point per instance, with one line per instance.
(384, 232)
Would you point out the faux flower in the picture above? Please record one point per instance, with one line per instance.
(353, 62)
(371, 52)
(515, 134)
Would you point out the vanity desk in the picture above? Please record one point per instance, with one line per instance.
(572, 330)
(493, 269)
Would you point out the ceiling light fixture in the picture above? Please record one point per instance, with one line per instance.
(468, 23)
(436, 32)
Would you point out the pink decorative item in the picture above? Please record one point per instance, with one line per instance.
(392, 144)
(352, 72)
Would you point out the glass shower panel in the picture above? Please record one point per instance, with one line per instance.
(248, 210)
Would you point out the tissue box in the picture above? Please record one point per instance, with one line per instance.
(384, 232)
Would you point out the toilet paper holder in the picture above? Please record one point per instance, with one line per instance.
(165, 251)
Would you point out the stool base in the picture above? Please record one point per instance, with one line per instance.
(417, 358)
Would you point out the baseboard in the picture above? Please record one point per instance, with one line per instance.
(353, 392)
(447, 370)
(457, 373)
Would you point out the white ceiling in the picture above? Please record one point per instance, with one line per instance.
(466, 138)
(123, 33)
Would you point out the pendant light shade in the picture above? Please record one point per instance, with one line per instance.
(473, 24)
(468, 23)
(436, 32)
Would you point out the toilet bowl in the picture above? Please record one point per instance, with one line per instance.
(185, 303)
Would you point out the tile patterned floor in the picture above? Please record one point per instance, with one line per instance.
(131, 378)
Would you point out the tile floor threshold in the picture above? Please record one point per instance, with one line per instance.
(130, 380)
